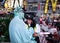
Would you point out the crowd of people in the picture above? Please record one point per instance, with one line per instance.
(34, 29)
(45, 27)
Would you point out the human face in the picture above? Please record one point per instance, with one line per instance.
(29, 21)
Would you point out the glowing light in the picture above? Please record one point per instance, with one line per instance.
(54, 4)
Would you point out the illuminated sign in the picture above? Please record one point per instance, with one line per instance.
(10, 4)
(15, 3)
(54, 3)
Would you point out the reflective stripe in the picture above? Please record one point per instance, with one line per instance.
(34, 28)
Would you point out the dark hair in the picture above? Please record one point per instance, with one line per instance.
(33, 24)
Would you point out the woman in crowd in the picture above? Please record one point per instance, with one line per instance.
(32, 23)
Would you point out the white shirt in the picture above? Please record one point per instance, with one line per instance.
(52, 30)
(38, 28)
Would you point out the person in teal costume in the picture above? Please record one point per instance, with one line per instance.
(17, 30)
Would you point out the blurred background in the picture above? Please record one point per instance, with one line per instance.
(44, 8)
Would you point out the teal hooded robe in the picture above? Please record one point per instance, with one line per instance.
(17, 29)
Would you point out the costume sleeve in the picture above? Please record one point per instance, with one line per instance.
(22, 33)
